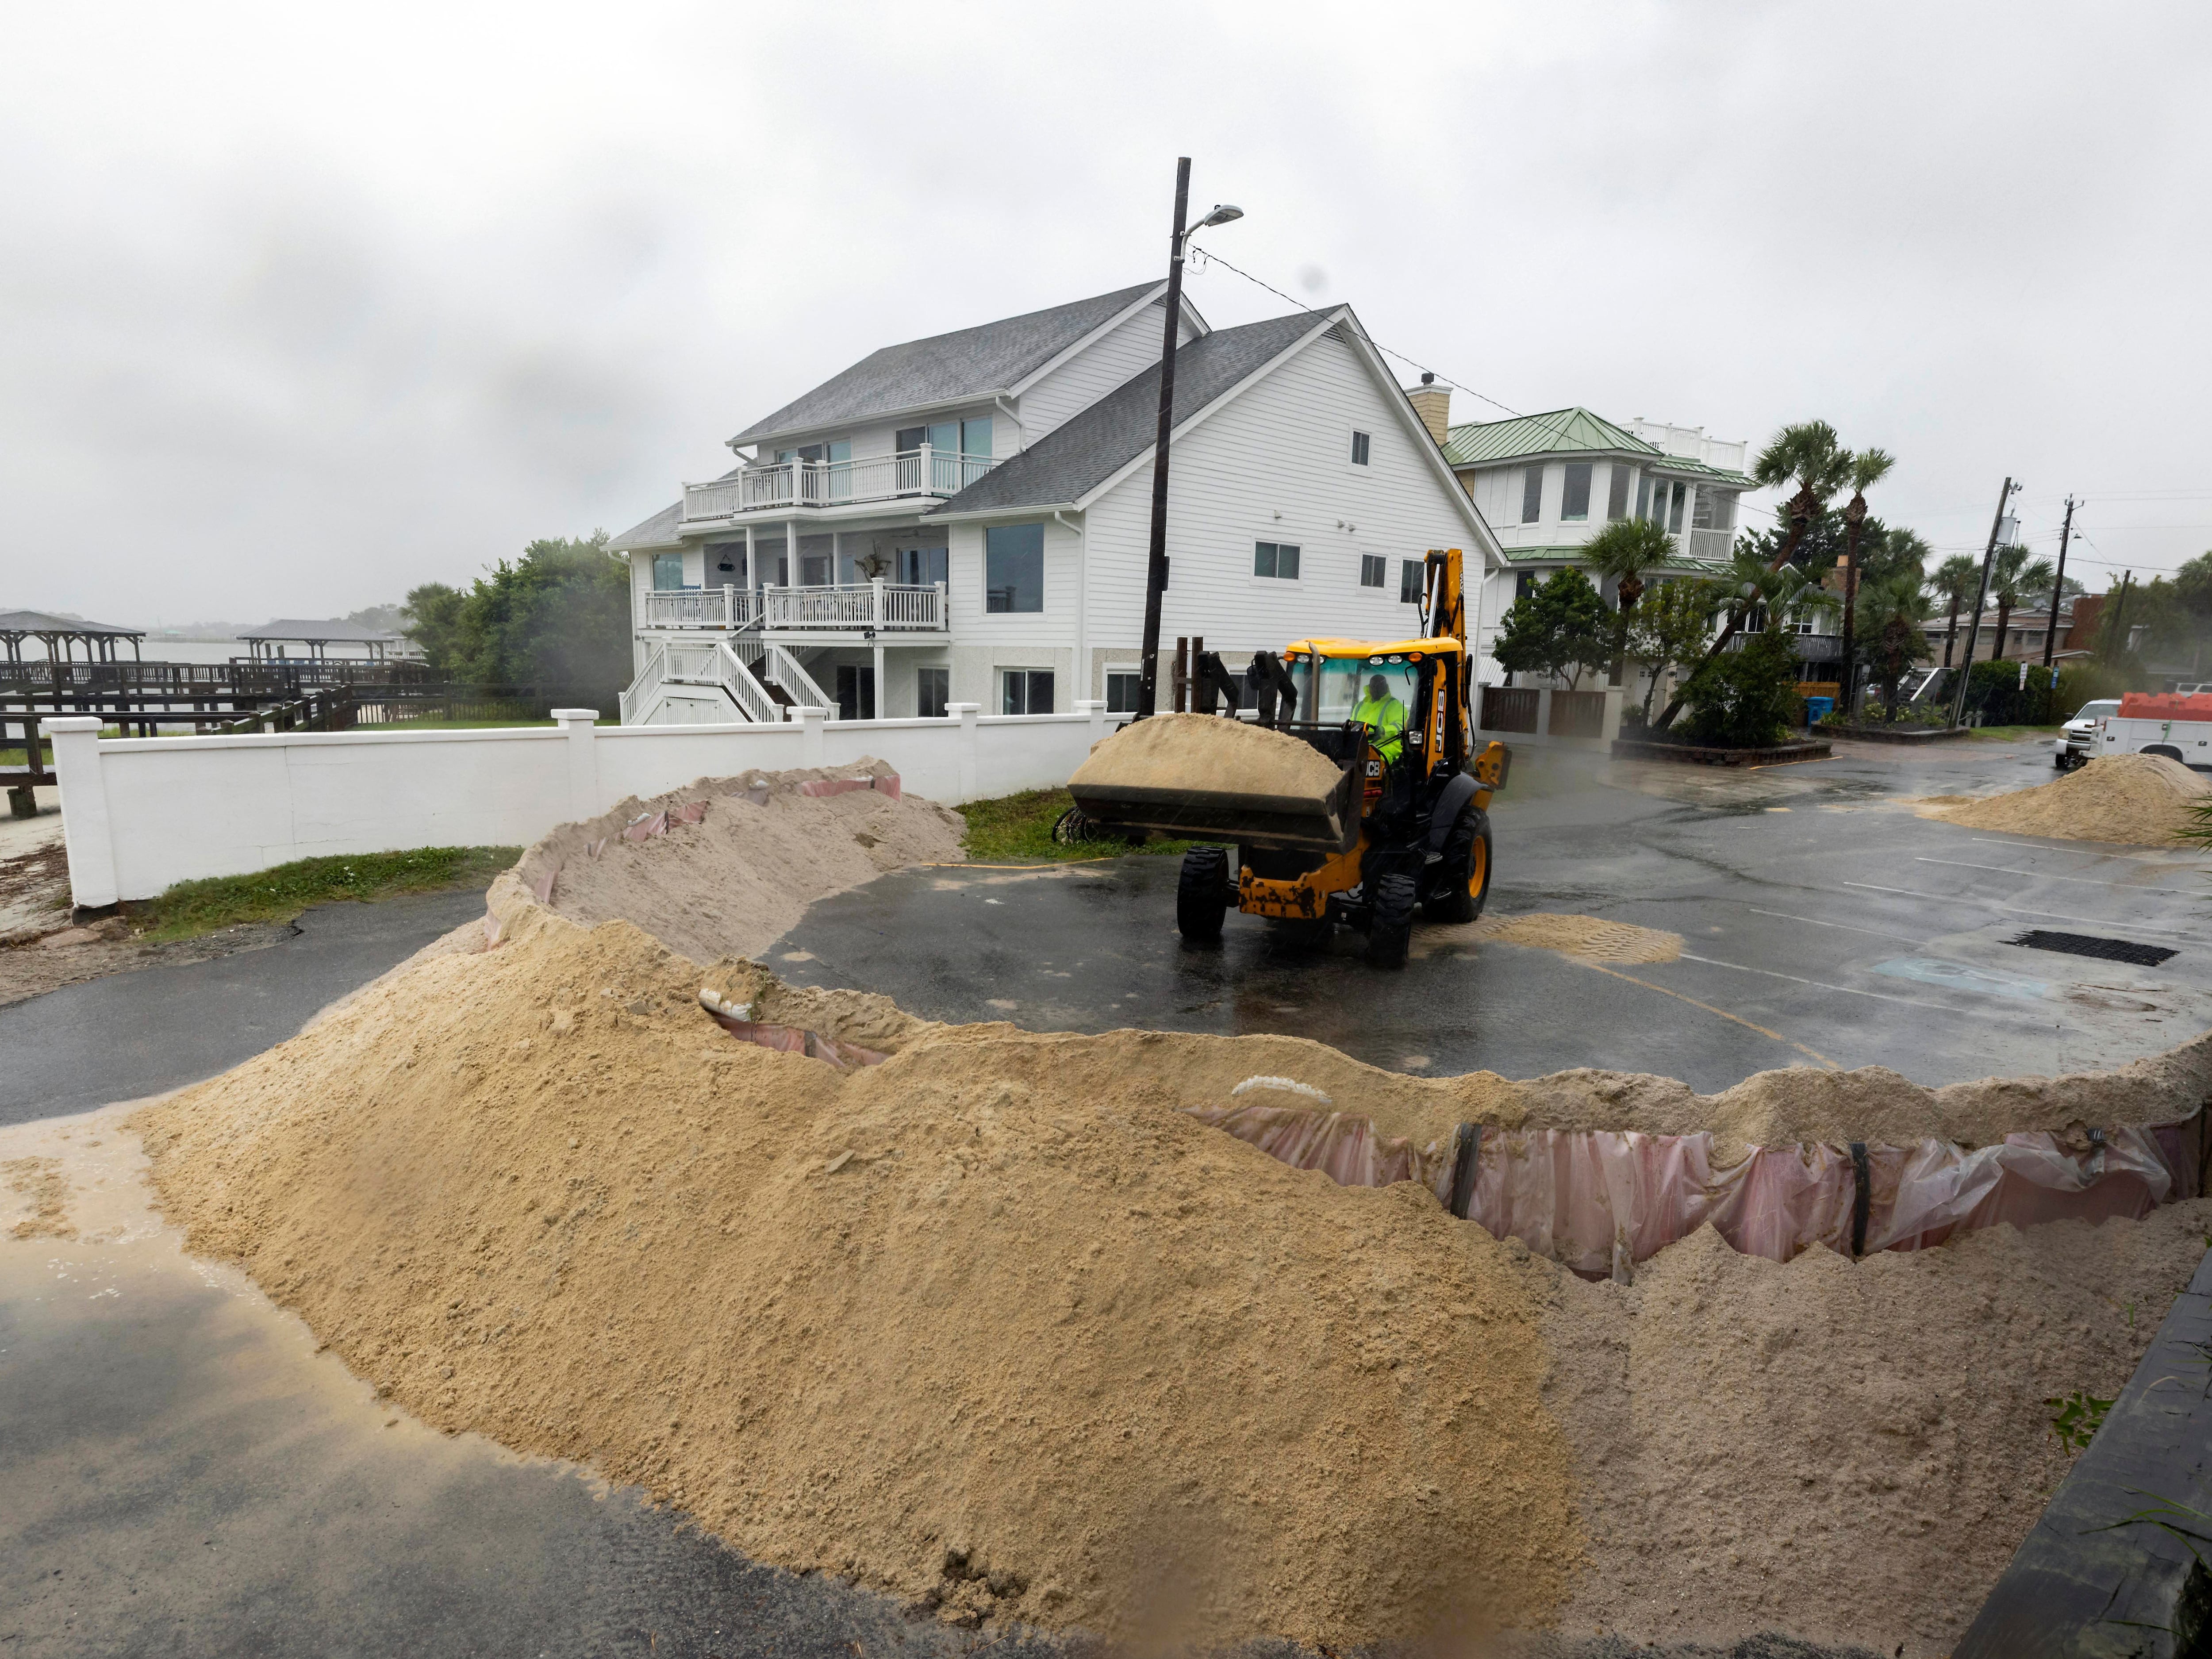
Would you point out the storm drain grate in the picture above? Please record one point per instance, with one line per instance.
(2088, 945)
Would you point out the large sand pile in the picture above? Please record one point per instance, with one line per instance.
(1208, 752)
(726, 866)
(2144, 800)
(1011, 1339)
(995, 1326)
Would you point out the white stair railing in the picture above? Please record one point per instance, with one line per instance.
(751, 696)
(785, 670)
(638, 700)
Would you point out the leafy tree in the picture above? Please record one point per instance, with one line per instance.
(1957, 579)
(2015, 579)
(1559, 627)
(1890, 611)
(1670, 627)
(1624, 551)
(1868, 468)
(558, 616)
(390, 618)
(1809, 455)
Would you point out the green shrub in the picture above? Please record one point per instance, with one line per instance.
(1743, 699)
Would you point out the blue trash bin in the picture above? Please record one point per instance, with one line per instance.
(1818, 709)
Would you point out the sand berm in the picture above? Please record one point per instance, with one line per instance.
(2139, 799)
(995, 1326)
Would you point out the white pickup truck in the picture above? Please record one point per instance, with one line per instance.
(2142, 723)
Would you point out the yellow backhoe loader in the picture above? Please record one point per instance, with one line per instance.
(1405, 823)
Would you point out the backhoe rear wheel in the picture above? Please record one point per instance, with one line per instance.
(1202, 894)
(1467, 871)
(1390, 922)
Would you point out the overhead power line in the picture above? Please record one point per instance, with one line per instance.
(1212, 257)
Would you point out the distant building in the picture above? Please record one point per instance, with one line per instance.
(292, 636)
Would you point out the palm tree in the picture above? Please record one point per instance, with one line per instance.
(2013, 579)
(1624, 551)
(1869, 467)
(1893, 608)
(1809, 453)
(1956, 580)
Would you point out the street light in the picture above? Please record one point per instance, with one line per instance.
(1156, 571)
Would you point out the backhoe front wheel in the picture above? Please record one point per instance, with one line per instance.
(1466, 874)
(1390, 923)
(1202, 894)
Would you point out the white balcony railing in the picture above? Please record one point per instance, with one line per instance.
(883, 606)
(921, 473)
(697, 607)
(850, 607)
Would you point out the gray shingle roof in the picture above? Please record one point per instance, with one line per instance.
(970, 363)
(1076, 458)
(658, 528)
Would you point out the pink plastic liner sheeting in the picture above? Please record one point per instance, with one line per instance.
(1598, 1201)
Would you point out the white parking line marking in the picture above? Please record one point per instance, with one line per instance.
(2040, 875)
(1819, 984)
(2023, 910)
(1902, 939)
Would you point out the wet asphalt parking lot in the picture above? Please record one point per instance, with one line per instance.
(1823, 923)
(185, 1475)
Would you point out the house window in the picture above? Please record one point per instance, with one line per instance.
(1409, 581)
(667, 572)
(1025, 691)
(1715, 509)
(1616, 494)
(1524, 584)
(1675, 512)
(1277, 559)
(1371, 569)
(1121, 687)
(1644, 496)
(1359, 444)
(815, 561)
(932, 687)
(918, 567)
(1013, 567)
(947, 437)
(1574, 499)
(1532, 494)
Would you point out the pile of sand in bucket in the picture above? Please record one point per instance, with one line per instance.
(1170, 1337)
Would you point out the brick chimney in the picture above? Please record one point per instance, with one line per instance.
(1433, 402)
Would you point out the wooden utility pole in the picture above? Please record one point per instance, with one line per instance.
(1156, 570)
(2058, 585)
(2117, 626)
(1981, 599)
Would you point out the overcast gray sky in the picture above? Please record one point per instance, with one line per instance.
(302, 305)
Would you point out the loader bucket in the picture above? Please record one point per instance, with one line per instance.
(1203, 777)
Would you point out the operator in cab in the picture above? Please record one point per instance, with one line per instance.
(1384, 717)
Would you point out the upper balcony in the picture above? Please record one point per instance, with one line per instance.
(916, 475)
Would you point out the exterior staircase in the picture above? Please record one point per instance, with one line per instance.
(719, 681)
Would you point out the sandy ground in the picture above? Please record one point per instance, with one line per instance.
(2146, 800)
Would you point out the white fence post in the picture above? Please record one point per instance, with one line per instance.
(966, 714)
(86, 831)
(579, 726)
(810, 737)
(1616, 698)
(1095, 708)
(1543, 732)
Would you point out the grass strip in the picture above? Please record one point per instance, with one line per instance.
(1020, 827)
(283, 891)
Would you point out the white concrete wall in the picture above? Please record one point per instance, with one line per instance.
(139, 814)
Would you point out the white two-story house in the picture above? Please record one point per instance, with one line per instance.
(965, 519)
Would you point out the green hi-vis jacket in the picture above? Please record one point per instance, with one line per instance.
(1386, 725)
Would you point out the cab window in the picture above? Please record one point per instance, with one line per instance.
(1343, 684)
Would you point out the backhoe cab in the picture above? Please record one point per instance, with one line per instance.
(1408, 825)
